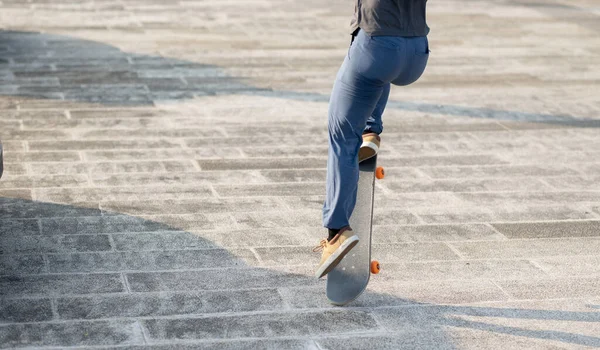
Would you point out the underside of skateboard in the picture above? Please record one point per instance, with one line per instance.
(349, 279)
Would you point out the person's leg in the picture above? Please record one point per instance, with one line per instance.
(371, 140)
(375, 123)
(369, 67)
(417, 55)
(350, 106)
(364, 77)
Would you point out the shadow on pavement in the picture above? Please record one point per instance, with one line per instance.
(76, 276)
(55, 67)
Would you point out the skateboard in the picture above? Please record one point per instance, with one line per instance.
(350, 277)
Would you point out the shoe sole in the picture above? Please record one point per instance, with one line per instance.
(337, 256)
(369, 147)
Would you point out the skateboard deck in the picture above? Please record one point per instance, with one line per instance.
(350, 277)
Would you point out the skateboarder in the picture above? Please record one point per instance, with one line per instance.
(389, 46)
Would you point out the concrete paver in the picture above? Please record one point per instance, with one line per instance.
(164, 174)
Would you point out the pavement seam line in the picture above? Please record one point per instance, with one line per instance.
(510, 298)
(547, 271)
(455, 251)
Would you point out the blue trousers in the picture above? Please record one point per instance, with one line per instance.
(360, 94)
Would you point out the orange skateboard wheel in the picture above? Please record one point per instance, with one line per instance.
(375, 267)
(379, 173)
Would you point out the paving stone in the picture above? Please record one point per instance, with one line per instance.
(303, 175)
(148, 261)
(24, 181)
(462, 270)
(99, 225)
(515, 249)
(55, 285)
(248, 141)
(400, 137)
(314, 297)
(264, 344)
(21, 157)
(292, 324)
(496, 213)
(193, 222)
(99, 145)
(438, 292)
(109, 128)
(424, 148)
(162, 154)
(446, 127)
(208, 205)
(260, 220)
(414, 200)
(423, 233)
(469, 185)
(283, 152)
(167, 304)
(575, 183)
(550, 229)
(238, 164)
(12, 146)
(7, 134)
(404, 340)
(214, 279)
(452, 160)
(589, 169)
(188, 153)
(394, 217)
(531, 198)
(45, 104)
(289, 130)
(570, 266)
(20, 193)
(108, 167)
(267, 237)
(160, 240)
(245, 190)
(575, 287)
(13, 169)
(71, 334)
(120, 194)
(54, 244)
(24, 209)
(23, 115)
(413, 252)
(25, 310)
(556, 157)
(22, 264)
(513, 337)
(517, 324)
(11, 227)
(197, 179)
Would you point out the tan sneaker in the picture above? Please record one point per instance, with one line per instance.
(334, 251)
(370, 146)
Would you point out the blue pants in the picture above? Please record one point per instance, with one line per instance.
(357, 102)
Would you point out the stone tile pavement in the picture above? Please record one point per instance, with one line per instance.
(165, 171)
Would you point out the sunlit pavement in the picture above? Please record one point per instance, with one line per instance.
(164, 174)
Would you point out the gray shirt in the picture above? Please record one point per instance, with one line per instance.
(390, 17)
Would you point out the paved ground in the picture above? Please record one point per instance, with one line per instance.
(165, 172)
